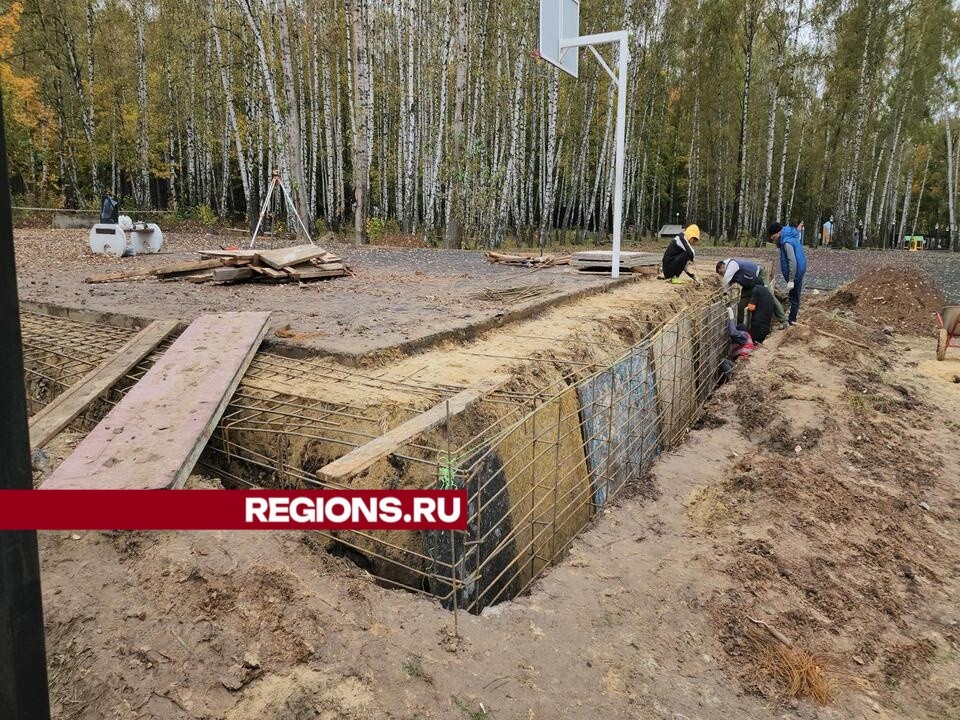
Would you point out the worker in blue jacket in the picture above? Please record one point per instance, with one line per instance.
(793, 262)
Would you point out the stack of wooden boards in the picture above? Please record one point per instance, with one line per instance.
(301, 263)
(601, 261)
(527, 260)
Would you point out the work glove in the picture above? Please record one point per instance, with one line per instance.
(730, 313)
(790, 286)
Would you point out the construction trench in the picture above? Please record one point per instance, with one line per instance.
(559, 438)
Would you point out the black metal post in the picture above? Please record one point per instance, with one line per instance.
(23, 664)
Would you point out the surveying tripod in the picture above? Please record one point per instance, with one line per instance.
(274, 182)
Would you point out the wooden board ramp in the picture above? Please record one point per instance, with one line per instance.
(153, 437)
(53, 418)
(361, 458)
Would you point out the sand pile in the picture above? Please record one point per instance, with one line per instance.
(899, 297)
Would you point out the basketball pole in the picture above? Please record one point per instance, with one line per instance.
(621, 37)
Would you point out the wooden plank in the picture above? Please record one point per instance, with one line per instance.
(153, 437)
(322, 266)
(198, 278)
(67, 406)
(250, 254)
(187, 267)
(313, 273)
(281, 258)
(120, 276)
(273, 274)
(361, 458)
(231, 274)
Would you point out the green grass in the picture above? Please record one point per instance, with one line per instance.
(413, 666)
(468, 713)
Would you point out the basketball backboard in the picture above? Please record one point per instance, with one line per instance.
(560, 20)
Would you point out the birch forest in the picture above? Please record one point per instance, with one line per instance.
(436, 117)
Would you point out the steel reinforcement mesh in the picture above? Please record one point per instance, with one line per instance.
(536, 485)
(536, 476)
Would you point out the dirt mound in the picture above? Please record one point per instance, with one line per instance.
(899, 297)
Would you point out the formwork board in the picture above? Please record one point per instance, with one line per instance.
(710, 348)
(548, 483)
(620, 425)
(673, 367)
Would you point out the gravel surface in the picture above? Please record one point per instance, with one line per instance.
(398, 297)
(828, 269)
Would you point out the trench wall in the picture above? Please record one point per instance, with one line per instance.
(534, 482)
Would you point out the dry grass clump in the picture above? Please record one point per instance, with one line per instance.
(797, 672)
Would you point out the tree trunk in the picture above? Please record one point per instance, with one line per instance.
(458, 166)
(923, 185)
(951, 186)
(360, 144)
(293, 125)
(907, 192)
(232, 120)
(750, 32)
(143, 143)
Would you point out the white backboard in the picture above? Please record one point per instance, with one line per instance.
(559, 20)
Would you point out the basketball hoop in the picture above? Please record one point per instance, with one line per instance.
(560, 42)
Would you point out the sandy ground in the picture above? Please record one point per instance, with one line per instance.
(796, 502)
(397, 298)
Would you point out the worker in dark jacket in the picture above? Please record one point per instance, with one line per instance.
(746, 274)
(793, 263)
(762, 306)
(110, 211)
(679, 256)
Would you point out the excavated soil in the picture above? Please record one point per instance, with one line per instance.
(902, 298)
(848, 548)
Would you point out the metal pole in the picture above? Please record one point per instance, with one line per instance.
(23, 663)
(263, 209)
(622, 60)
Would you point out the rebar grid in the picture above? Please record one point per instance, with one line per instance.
(57, 352)
(543, 478)
(536, 474)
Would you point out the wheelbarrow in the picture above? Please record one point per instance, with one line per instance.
(948, 334)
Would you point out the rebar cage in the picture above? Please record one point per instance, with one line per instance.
(537, 474)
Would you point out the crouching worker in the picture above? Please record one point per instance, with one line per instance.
(679, 255)
(742, 343)
(741, 346)
(747, 274)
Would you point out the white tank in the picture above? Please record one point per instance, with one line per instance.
(139, 239)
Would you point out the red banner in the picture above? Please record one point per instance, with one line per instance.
(233, 509)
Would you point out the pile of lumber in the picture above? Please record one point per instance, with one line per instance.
(301, 263)
(601, 261)
(527, 260)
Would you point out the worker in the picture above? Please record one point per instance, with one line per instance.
(746, 274)
(741, 347)
(679, 255)
(741, 341)
(110, 210)
(793, 263)
(761, 305)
